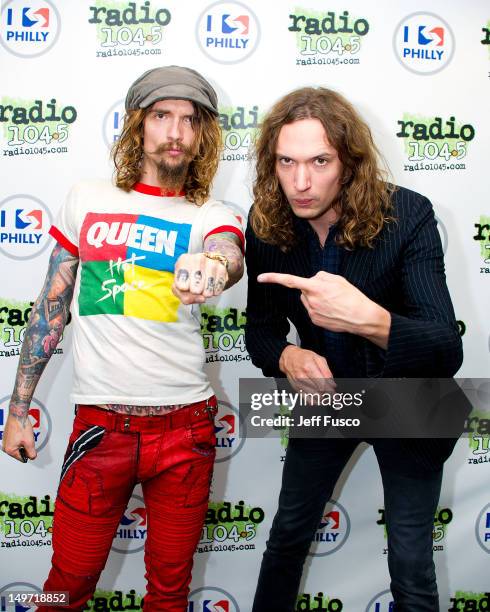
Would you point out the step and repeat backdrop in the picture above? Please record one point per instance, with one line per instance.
(419, 73)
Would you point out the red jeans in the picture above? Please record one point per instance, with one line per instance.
(108, 453)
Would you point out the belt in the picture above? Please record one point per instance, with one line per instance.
(115, 421)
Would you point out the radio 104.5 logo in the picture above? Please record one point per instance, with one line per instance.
(466, 601)
(307, 602)
(434, 143)
(25, 521)
(14, 317)
(486, 37)
(230, 527)
(482, 237)
(223, 333)
(239, 125)
(327, 38)
(442, 518)
(477, 423)
(35, 127)
(128, 28)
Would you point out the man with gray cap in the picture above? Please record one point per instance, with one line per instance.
(138, 256)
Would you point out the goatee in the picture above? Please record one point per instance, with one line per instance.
(172, 175)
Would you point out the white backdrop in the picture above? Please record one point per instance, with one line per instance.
(420, 76)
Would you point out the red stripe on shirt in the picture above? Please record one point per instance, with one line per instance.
(63, 240)
(229, 228)
(156, 191)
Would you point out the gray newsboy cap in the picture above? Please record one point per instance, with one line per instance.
(175, 82)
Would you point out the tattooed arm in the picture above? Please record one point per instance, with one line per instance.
(227, 244)
(198, 277)
(43, 332)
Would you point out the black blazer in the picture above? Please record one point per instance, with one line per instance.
(404, 273)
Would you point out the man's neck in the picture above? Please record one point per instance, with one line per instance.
(322, 225)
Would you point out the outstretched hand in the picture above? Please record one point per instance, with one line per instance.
(331, 301)
(197, 278)
(335, 304)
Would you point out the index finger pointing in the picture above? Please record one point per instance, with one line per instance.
(287, 280)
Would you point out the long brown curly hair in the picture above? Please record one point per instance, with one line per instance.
(364, 200)
(127, 153)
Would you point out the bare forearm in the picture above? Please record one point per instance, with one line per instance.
(46, 323)
(227, 244)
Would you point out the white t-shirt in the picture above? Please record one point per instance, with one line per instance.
(134, 342)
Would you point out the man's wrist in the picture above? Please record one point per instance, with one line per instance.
(19, 411)
(376, 325)
(284, 355)
(217, 257)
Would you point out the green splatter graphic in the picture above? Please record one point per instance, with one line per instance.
(467, 596)
(488, 28)
(12, 319)
(317, 601)
(284, 411)
(217, 321)
(35, 505)
(485, 252)
(239, 127)
(130, 600)
(475, 439)
(248, 120)
(440, 531)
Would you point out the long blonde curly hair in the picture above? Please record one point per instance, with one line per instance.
(127, 153)
(365, 196)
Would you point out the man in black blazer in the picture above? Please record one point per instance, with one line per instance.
(356, 264)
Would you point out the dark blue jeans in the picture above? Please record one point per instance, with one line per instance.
(311, 470)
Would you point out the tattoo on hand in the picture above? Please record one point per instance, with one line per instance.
(210, 286)
(220, 285)
(197, 276)
(183, 275)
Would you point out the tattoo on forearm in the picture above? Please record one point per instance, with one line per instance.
(44, 330)
(227, 244)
